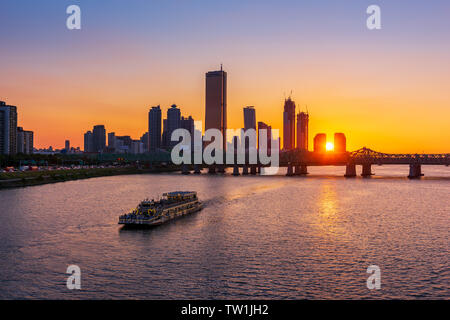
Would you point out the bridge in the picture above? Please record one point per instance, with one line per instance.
(297, 161)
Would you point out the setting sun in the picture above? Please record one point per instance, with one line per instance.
(329, 146)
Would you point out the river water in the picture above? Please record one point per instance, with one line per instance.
(257, 237)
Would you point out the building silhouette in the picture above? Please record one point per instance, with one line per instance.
(302, 130)
(216, 102)
(188, 124)
(8, 129)
(173, 123)
(289, 124)
(144, 140)
(340, 142)
(154, 128)
(111, 141)
(88, 142)
(25, 140)
(67, 145)
(320, 142)
(99, 138)
(261, 126)
(249, 118)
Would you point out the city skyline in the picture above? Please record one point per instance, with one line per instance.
(354, 80)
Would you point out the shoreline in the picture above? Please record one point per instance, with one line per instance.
(12, 180)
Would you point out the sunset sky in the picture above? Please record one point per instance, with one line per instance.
(386, 89)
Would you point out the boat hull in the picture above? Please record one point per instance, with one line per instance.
(145, 223)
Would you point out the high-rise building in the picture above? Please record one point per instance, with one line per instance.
(188, 124)
(216, 102)
(164, 140)
(99, 138)
(302, 130)
(144, 140)
(25, 141)
(173, 123)
(154, 128)
(262, 126)
(249, 118)
(340, 142)
(111, 141)
(123, 144)
(289, 124)
(88, 142)
(320, 142)
(67, 145)
(8, 129)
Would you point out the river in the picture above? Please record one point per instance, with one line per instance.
(261, 237)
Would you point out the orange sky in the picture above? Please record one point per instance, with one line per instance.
(385, 106)
(388, 90)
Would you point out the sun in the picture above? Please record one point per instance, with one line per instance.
(329, 146)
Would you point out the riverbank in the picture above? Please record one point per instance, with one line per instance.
(33, 178)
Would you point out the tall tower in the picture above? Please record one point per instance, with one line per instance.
(289, 124)
(302, 130)
(88, 142)
(154, 128)
(249, 118)
(320, 142)
(340, 142)
(173, 123)
(99, 138)
(216, 102)
(8, 129)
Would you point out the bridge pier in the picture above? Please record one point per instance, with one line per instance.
(185, 169)
(366, 170)
(303, 169)
(296, 170)
(350, 170)
(289, 171)
(235, 170)
(245, 170)
(253, 170)
(197, 169)
(221, 168)
(415, 171)
(212, 170)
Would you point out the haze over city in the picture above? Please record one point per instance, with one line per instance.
(378, 87)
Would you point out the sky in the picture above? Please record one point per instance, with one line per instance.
(386, 89)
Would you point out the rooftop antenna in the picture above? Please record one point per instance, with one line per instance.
(221, 67)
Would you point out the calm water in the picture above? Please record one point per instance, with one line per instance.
(258, 237)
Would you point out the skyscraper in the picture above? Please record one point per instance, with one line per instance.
(88, 142)
(24, 141)
(99, 138)
(302, 130)
(289, 124)
(173, 123)
(216, 102)
(144, 140)
(188, 124)
(340, 142)
(67, 145)
(320, 142)
(249, 118)
(8, 129)
(262, 126)
(154, 128)
(111, 140)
